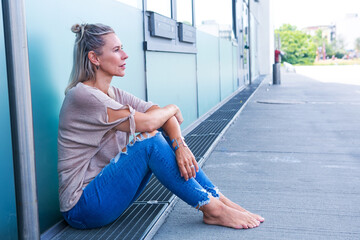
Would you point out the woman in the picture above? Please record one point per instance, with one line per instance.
(100, 173)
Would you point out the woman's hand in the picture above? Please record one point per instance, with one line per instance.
(179, 116)
(186, 162)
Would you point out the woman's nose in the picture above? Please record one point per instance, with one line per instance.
(124, 56)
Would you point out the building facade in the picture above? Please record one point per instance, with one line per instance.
(180, 62)
(348, 30)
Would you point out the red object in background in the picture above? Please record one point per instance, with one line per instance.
(277, 56)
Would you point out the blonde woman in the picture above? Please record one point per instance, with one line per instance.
(100, 172)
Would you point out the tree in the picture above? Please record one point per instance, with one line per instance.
(319, 41)
(298, 46)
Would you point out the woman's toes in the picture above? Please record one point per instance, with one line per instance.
(259, 218)
(255, 223)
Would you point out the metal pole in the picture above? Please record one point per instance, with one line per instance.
(276, 74)
(250, 50)
(17, 62)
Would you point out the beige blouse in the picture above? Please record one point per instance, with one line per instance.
(86, 140)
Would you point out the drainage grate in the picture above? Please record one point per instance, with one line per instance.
(200, 143)
(134, 223)
(155, 191)
(139, 218)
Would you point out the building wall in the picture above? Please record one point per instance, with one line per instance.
(195, 82)
(264, 37)
(208, 71)
(226, 68)
(173, 81)
(348, 29)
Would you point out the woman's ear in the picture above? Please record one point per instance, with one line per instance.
(93, 58)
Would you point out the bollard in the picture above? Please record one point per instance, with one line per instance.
(276, 67)
(276, 73)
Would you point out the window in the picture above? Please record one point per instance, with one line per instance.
(169, 26)
(133, 3)
(215, 17)
(162, 7)
(184, 12)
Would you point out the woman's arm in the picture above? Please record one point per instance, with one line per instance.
(184, 157)
(145, 122)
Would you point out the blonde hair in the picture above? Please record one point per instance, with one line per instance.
(89, 37)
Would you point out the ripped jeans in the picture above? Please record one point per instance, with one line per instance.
(120, 183)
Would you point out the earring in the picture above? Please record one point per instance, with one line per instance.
(97, 67)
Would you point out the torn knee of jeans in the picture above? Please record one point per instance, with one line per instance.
(140, 137)
(145, 135)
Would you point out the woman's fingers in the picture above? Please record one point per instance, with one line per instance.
(187, 163)
(193, 166)
(193, 171)
(184, 173)
(189, 172)
(196, 165)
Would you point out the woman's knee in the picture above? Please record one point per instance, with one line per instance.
(141, 136)
(155, 137)
(146, 134)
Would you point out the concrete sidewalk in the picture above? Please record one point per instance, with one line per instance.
(292, 156)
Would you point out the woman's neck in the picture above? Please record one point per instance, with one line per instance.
(100, 82)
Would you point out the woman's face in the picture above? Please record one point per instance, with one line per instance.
(112, 58)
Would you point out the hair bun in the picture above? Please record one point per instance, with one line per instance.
(76, 28)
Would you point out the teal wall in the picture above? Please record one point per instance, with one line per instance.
(208, 71)
(226, 68)
(173, 81)
(8, 227)
(194, 82)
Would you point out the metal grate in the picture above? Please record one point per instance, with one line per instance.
(139, 218)
(134, 223)
(155, 191)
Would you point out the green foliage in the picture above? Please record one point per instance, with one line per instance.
(298, 46)
(335, 48)
(287, 27)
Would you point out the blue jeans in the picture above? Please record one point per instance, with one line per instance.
(120, 182)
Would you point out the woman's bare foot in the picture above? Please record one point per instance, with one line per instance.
(217, 213)
(231, 204)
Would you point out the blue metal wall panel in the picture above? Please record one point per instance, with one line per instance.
(8, 226)
(172, 79)
(50, 55)
(208, 71)
(226, 68)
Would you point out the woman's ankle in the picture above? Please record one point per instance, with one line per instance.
(213, 209)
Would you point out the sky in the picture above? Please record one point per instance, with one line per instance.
(304, 13)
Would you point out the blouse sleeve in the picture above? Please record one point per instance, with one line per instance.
(88, 118)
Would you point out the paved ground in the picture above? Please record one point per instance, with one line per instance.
(293, 156)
